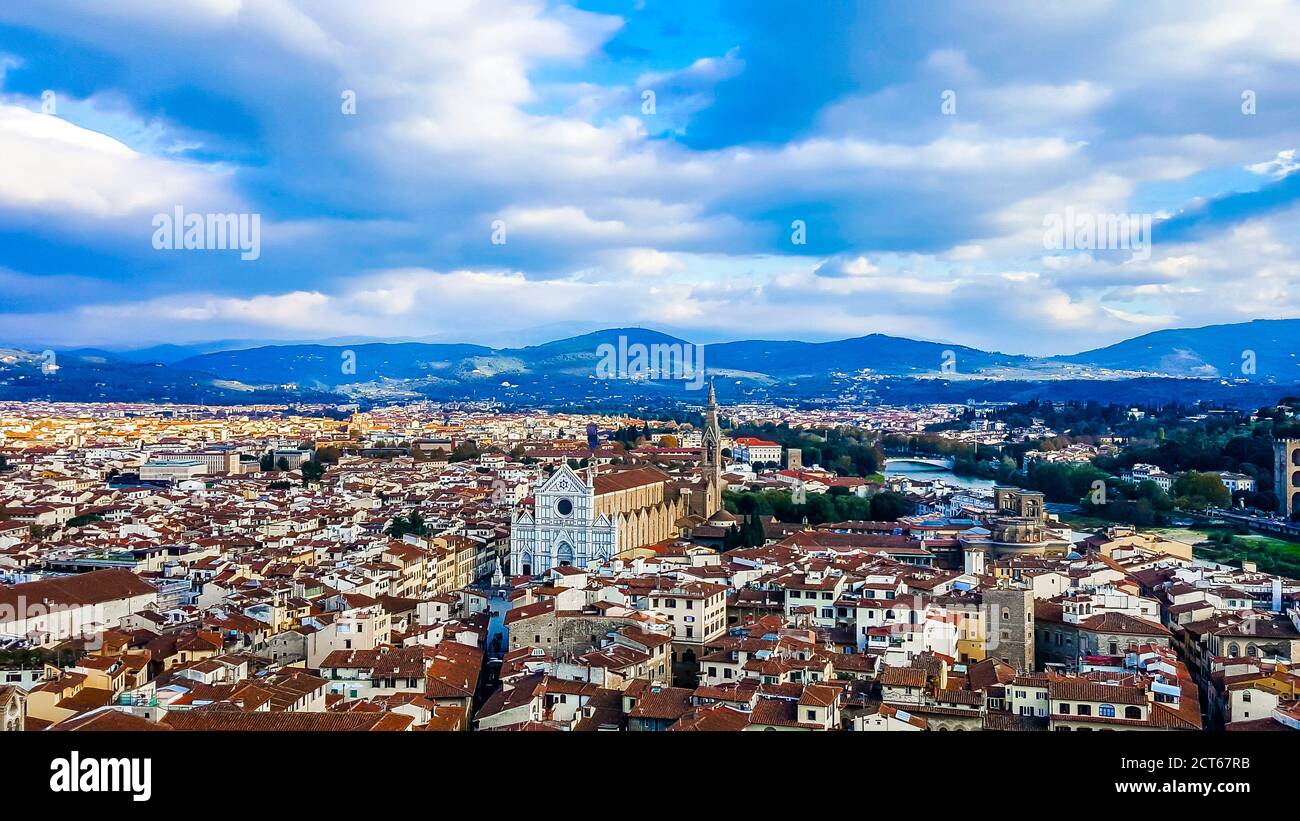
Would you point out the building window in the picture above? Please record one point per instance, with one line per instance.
(1064, 709)
(1106, 711)
(1133, 712)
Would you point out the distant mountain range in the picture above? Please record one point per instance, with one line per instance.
(1271, 347)
(321, 365)
(1254, 354)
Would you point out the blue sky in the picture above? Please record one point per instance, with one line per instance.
(919, 220)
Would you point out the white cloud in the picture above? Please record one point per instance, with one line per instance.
(649, 262)
(454, 129)
(1277, 168)
(57, 169)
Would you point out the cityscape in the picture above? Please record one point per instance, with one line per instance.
(464, 566)
(644, 367)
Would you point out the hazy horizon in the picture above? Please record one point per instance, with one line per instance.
(538, 337)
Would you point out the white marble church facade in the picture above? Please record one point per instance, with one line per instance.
(562, 528)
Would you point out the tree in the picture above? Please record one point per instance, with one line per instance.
(464, 451)
(732, 539)
(418, 527)
(747, 504)
(402, 525)
(1195, 490)
(312, 471)
(282, 464)
(888, 506)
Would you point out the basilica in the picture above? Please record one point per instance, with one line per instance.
(580, 517)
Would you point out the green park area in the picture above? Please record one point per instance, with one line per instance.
(1218, 544)
(1270, 555)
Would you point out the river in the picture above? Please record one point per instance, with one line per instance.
(923, 472)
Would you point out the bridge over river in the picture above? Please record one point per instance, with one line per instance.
(932, 461)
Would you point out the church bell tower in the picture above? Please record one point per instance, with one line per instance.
(712, 454)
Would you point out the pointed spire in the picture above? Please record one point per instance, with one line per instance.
(713, 396)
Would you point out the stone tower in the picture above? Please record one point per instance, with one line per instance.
(1009, 616)
(1286, 475)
